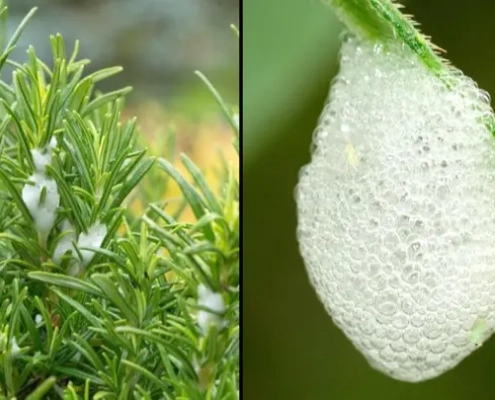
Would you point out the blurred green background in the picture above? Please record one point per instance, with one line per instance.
(291, 348)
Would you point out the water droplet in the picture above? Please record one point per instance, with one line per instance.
(358, 253)
(391, 240)
(407, 306)
(394, 282)
(392, 334)
(415, 246)
(440, 318)
(379, 282)
(403, 220)
(403, 233)
(400, 321)
(378, 343)
(358, 283)
(376, 207)
(367, 327)
(373, 269)
(439, 347)
(432, 331)
(417, 321)
(410, 274)
(430, 208)
(454, 240)
(345, 128)
(418, 225)
(354, 233)
(388, 354)
(443, 191)
(386, 303)
(433, 359)
(430, 279)
(420, 295)
(399, 347)
(411, 336)
(399, 257)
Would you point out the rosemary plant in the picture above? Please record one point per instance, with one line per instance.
(95, 304)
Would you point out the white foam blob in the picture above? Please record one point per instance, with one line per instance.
(43, 210)
(65, 244)
(214, 302)
(396, 212)
(43, 156)
(93, 238)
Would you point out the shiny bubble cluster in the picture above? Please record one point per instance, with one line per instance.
(396, 212)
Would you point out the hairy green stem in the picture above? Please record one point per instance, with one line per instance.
(382, 20)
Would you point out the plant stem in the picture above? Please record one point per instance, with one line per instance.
(382, 21)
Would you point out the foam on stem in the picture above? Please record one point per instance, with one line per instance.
(396, 212)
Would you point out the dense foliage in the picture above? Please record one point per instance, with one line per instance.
(95, 302)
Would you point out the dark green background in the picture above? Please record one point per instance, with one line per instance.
(291, 349)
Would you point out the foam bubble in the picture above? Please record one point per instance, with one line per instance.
(396, 212)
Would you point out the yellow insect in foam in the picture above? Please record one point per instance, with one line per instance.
(352, 157)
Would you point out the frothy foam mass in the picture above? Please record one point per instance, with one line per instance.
(396, 212)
